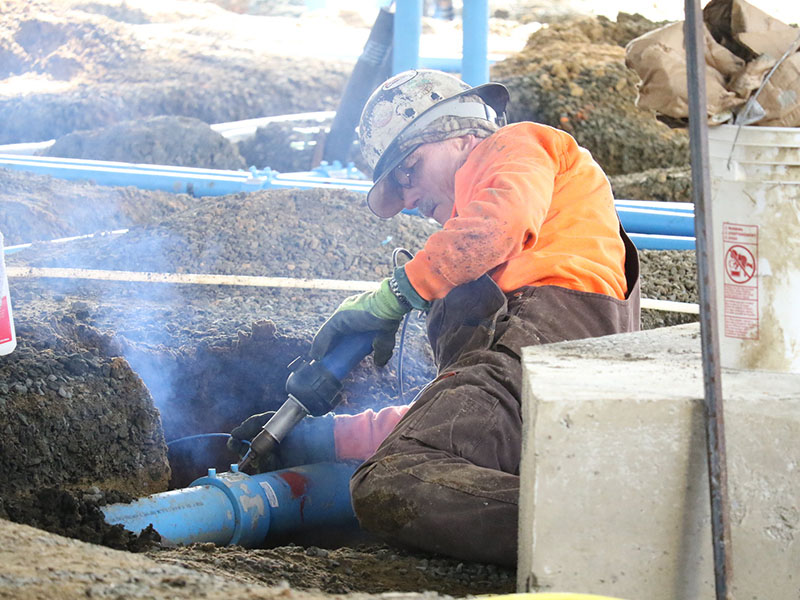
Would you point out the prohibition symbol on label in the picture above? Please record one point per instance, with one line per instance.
(740, 256)
(740, 264)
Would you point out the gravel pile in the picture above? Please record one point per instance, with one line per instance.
(572, 76)
(284, 233)
(175, 141)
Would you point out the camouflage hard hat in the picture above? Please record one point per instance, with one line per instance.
(402, 109)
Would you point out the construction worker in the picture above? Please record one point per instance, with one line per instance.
(531, 251)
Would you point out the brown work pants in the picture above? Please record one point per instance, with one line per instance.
(446, 479)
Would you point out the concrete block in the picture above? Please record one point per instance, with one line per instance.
(614, 487)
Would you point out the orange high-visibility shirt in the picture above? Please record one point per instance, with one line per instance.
(531, 208)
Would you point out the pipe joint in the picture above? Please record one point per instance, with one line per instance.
(249, 503)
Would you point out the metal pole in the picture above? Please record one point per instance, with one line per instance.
(407, 32)
(475, 43)
(701, 192)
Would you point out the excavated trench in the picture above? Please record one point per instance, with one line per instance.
(109, 377)
(194, 359)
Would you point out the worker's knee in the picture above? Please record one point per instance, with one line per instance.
(378, 500)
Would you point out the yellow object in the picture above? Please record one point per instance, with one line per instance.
(548, 596)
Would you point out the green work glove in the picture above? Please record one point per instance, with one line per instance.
(310, 441)
(380, 311)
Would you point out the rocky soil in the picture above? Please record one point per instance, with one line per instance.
(108, 374)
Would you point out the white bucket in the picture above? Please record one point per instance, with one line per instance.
(8, 338)
(755, 199)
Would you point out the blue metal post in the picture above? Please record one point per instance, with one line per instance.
(475, 45)
(407, 30)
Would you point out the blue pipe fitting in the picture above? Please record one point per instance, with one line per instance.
(236, 508)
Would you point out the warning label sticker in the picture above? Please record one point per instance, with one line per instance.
(740, 256)
(272, 497)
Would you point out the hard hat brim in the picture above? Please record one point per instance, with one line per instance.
(385, 197)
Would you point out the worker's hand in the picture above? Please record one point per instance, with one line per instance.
(379, 311)
(311, 441)
(239, 442)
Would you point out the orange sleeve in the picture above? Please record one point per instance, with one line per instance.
(531, 208)
(356, 437)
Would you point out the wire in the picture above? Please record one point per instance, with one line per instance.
(395, 255)
(203, 435)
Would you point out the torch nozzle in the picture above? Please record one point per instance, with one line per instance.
(262, 445)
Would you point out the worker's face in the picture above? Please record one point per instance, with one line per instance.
(427, 177)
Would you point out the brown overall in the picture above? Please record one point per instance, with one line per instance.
(446, 479)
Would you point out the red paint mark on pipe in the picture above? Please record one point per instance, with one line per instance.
(298, 484)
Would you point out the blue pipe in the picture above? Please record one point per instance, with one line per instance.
(655, 221)
(638, 217)
(656, 204)
(645, 241)
(406, 36)
(193, 181)
(475, 45)
(236, 508)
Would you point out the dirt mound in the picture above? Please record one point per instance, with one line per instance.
(77, 515)
(40, 208)
(313, 233)
(293, 146)
(178, 141)
(186, 86)
(573, 77)
(66, 402)
(45, 38)
(84, 66)
(661, 185)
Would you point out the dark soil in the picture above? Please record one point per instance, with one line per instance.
(67, 399)
(365, 567)
(77, 515)
(289, 147)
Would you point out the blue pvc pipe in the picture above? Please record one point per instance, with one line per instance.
(655, 221)
(645, 241)
(407, 32)
(475, 44)
(198, 182)
(638, 217)
(236, 508)
(657, 205)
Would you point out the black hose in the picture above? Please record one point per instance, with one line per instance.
(366, 75)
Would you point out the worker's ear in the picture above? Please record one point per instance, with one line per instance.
(464, 141)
